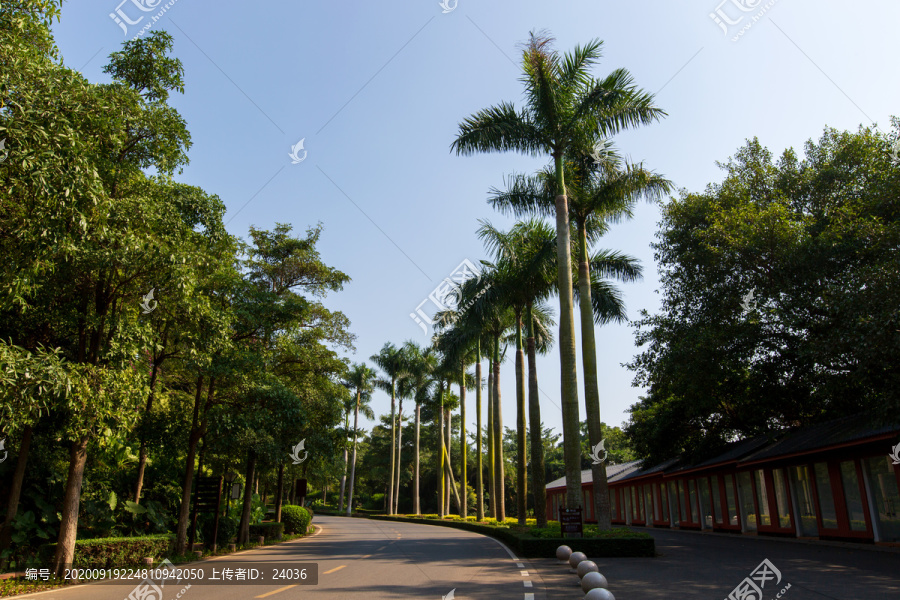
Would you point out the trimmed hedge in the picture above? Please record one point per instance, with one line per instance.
(269, 529)
(228, 527)
(295, 518)
(108, 553)
(530, 547)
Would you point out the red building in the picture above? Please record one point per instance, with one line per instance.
(836, 480)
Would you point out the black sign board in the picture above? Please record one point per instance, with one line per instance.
(300, 491)
(207, 496)
(570, 522)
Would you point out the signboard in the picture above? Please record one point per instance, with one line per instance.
(570, 522)
(207, 496)
(300, 491)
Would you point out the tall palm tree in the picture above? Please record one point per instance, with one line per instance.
(421, 365)
(347, 405)
(565, 108)
(600, 192)
(391, 361)
(359, 379)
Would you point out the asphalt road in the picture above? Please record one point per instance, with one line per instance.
(357, 558)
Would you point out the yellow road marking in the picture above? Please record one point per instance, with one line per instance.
(334, 569)
(287, 587)
(366, 556)
(380, 549)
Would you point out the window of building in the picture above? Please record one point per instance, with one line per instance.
(852, 496)
(730, 500)
(826, 496)
(782, 498)
(806, 509)
(885, 496)
(745, 492)
(762, 498)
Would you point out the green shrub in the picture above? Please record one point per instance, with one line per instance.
(295, 518)
(228, 527)
(431, 516)
(269, 529)
(107, 553)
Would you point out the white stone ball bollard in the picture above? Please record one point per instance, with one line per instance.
(592, 581)
(563, 553)
(576, 558)
(585, 567)
(599, 594)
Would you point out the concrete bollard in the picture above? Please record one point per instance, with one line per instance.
(148, 561)
(585, 567)
(261, 539)
(232, 547)
(563, 553)
(592, 581)
(198, 553)
(599, 594)
(576, 558)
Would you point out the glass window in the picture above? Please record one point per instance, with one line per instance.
(664, 501)
(852, 496)
(627, 506)
(781, 498)
(614, 504)
(655, 492)
(648, 502)
(826, 496)
(745, 489)
(718, 514)
(885, 496)
(807, 526)
(762, 497)
(705, 502)
(636, 503)
(684, 514)
(730, 500)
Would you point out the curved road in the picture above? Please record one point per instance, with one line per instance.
(357, 558)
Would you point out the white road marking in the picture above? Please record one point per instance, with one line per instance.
(528, 583)
(524, 573)
(520, 565)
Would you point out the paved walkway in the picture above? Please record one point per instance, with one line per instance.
(709, 566)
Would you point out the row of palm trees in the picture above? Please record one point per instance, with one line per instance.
(567, 114)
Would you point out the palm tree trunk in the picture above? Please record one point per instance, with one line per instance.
(416, 507)
(521, 451)
(492, 508)
(591, 385)
(498, 436)
(399, 453)
(567, 354)
(390, 486)
(68, 526)
(353, 462)
(538, 483)
(15, 491)
(479, 492)
(448, 426)
(439, 421)
(464, 492)
(344, 475)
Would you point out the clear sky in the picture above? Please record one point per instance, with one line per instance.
(376, 91)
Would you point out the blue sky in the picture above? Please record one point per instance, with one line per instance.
(376, 91)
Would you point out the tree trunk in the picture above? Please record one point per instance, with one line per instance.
(567, 355)
(244, 527)
(344, 476)
(479, 483)
(492, 507)
(399, 453)
(15, 491)
(538, 482)
(142, 455)
(498, 436)
(193, 439)
(416, 507)
(390, 486)
(591, 385)
(521, 451)
(68, 526)
(353, 462)
(280, 497)
(439, 422)
(448, 479)
(464, 490)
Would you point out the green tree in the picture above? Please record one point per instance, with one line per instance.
(359, 380)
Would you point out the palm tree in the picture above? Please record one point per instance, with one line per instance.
(359, 378)
(391, 361)
(525, 262)
(600, 193)
(565, 108)
(421, 365)
(347, 405)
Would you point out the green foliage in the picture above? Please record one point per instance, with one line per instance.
(296, 519)
(816, 240)
(228, 527)
(105, 553)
